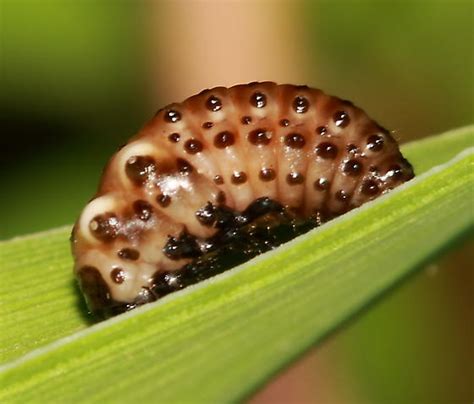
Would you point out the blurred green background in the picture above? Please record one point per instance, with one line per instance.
(75, 85)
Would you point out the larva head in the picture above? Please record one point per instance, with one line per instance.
(210, 182)
(117, 239)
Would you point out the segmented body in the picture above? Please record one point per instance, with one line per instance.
(220, 161)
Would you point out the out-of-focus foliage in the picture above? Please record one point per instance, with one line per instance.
(409, 63)
(72, 80)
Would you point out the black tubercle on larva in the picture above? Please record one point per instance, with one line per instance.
(375, 143)
(238, 177)
(321, 184)
(259, 137)
(295, 141)
(370, 187)
(267, 174)
(163, 200)
(174, 137)
(395, 172)
(140, 168)
(300, 105)
(352, 167)
(246, 120)
(172, 116)
(117, 275)
(184, 167)
(224, 139)
(341, 119)
(213, 103)
(105, 227)
(206, 215)
(342, 196)
(295, 178)
(218, 179)
(193, 146)
(258, 100)
(327, 150)
(143, 210)
(321, 130)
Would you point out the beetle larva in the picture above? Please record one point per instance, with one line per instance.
(225, 175)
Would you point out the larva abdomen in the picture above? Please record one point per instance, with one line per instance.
(219, 176)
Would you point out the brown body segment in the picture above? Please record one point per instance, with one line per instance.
(192, 181)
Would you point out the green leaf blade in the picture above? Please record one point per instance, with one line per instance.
(432, 151)
(220, 339)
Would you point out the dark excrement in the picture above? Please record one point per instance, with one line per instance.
(263, 226)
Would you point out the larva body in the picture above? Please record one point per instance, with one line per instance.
(221, 174)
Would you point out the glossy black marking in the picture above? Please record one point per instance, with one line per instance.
(341, 119)
(193, 146)
(295, 140)
(352, 167)
(295, 178)
(213, 103)
(172, 116)
(139, 169)
(370, 187)
(218, 180)
(395, 172)
(246, 120)
(259, 137)
(327, 150)
(174, 137)
(321, 184)
(267, 174)
(105, 227)
(258, 100)
(143, 210)
(184, 167)
(375, 143)
(266, 225)
(207, 214)
(224, 139)
(238, 177)
(322, 130)
(117, 275)
(300, 105)
(163, 200)
(342, 195)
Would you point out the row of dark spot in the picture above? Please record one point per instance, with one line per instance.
(299, 104)
(127, 254)
(139, 168)
(262, 137)
(257, 100)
